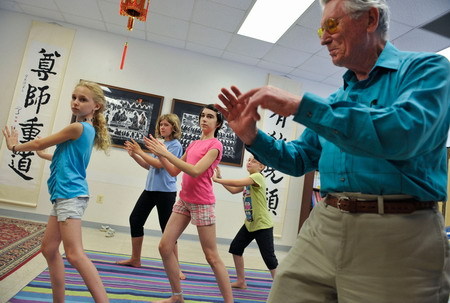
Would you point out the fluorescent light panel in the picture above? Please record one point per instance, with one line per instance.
(270, 19)
(445, 52)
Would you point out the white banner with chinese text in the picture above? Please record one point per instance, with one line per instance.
(33, 108)
(283, 128)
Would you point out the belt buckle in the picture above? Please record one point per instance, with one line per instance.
(338, 204)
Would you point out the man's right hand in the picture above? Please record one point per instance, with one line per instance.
(243, 125)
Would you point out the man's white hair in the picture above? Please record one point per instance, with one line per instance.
(356, 7)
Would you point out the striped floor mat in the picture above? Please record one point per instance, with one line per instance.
(128, 284)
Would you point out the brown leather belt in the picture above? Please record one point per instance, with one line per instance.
(352, 205)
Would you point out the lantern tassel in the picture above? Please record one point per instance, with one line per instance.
(124, 54)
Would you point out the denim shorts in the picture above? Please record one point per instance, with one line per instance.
(72, 208)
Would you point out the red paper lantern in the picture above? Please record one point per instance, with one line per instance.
(134, 9)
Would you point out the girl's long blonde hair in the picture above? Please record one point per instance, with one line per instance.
(102, 140)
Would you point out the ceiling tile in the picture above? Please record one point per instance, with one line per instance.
(248, 46)
(397, 29)
(319, 65)
(323, 52)
(311, 17)
(43, 12)
(240, 58)
(420, 40)
(89, 23)
(208, 36)
(339, 73)
(11, 6)
(417, 12)
(308, 75)
(48, 4)
(198, 48)
(165, 26)
(217, 16)
(334, 82)
(275, 67)
(122, 30)
(180, 9)
(209, 27)
(286, 56)
(166, 40)
(301, 38)
(240, 4)
(86, 8)
(110, 13)
(440, 26)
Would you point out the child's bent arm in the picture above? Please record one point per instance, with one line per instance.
(233, 189)
(44, 155)
(171, 169)
(235, 182)
(70, 132)
(139, 160)
(194, 170)
(156, 163)
(234, 186)
(133, 146)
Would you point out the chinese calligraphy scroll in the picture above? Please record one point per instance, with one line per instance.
(33, 108)
(277, 183)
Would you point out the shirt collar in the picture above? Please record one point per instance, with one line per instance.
(388, 59)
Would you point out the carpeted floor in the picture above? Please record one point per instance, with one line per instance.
(128, 284)
(20, 241)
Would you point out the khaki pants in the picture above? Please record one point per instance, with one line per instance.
(365, 258)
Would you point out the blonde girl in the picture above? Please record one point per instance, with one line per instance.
(68, 187)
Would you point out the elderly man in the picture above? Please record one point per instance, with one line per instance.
(379, 144)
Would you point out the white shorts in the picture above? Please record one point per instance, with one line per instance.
(69, 208)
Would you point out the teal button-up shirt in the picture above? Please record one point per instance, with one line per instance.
(383, 135)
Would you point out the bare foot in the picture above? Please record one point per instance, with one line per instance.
(182, 276)
(241, 285)
(129, 262)
(173, 299)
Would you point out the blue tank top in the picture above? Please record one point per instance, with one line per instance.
(68, 168)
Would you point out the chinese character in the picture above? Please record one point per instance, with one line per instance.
(32, 99)
(22, 165)
(270, 172)
(30, 130)
(280, 119)
(280, 137)
(272, 200)
(46, 65)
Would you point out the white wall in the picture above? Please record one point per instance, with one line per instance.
(151, 68)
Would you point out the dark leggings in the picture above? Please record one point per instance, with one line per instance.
(264, 239)
(164, 202)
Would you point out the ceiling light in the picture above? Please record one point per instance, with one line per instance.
(270, 19)
(445, 52)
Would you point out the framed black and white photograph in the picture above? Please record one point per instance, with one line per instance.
(130, 114)
(188, 112)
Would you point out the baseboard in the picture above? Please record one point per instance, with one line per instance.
(125, 229)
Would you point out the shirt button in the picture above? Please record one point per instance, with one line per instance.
(342, 179)
(309, 114)
(336, 131)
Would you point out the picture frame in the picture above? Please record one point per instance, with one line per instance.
(130, 114)
(188, 112)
